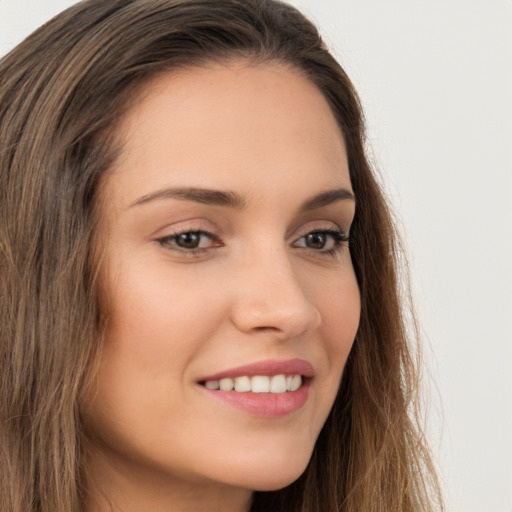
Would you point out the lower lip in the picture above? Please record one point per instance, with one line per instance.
(269, 405)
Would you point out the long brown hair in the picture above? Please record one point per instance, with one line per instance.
(62, 92)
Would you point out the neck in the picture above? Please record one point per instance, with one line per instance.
(123, 487)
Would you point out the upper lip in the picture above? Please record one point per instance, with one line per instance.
(269, 367)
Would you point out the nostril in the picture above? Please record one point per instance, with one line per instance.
(282, 309)
(265, 328)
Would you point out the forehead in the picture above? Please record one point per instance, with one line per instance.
(230, 122)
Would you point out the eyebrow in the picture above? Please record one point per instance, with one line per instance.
(233, 200)
(327, 198)
(198, 195)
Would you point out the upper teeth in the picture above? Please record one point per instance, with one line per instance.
(257, 384)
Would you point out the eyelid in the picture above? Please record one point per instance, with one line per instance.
(320, 226)
(183, 225)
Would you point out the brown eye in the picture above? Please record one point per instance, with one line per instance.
(322, 242)
(316, 240)
(189, 240)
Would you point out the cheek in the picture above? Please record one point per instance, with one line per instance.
(154, 313)
(157, 323)
(340, 306)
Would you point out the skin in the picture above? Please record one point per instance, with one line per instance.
(255, 290)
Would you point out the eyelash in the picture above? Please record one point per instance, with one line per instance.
(166, 241)
(339, 237)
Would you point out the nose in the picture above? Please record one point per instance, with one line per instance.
(270, 298)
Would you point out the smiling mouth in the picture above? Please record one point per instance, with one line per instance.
(264, 389)
(276, 384)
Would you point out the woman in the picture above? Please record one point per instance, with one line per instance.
(200, 306)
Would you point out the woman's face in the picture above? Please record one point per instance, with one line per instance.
(226, 219)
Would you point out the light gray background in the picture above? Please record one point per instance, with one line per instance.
(435, 78)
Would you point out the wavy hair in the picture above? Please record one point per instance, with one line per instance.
(62, 93)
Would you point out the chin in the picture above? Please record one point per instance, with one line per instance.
(271, 473)
(276, 482)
